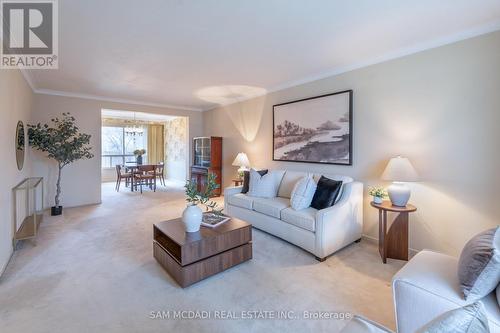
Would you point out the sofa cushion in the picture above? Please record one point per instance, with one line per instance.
(304, 218)
(344, 179)
(326, 193)
(246, 179)
(265, 186)
(468, 319)
(271, 206)
(303, 193)
(290, 178)
(479, 264)
(241, 200)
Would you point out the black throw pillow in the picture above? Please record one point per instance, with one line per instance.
(326, 193)
(246, 179)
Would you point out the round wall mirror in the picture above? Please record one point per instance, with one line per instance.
(20, 145)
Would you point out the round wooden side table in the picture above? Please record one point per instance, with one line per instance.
(393, 240)
(238, 182)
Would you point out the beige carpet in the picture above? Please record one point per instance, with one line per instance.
(92, 270)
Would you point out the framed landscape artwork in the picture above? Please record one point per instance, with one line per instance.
(314, 130)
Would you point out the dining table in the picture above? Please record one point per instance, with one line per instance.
(132, 167)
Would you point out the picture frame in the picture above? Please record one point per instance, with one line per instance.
(317, 129)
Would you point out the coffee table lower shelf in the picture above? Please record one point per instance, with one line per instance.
(197, 271)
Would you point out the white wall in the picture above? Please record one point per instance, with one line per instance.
(81, 182)
(440, 107)
(15, 104)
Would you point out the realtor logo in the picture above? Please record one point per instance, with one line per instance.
(29, 34)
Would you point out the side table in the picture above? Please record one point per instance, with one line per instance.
(393, 240)
(238, 182)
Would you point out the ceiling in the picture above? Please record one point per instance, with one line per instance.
(165, 52)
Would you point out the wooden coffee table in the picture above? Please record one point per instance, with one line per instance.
(191, 257)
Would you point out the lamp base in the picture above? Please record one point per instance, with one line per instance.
(399, 193)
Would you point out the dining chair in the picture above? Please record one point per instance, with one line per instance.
(121, 175)
(145, 175)
(160, 173)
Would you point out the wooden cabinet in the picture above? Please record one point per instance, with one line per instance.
(207, 158)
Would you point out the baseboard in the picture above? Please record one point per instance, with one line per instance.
(374, 240)
(76, 206)
(4, 268)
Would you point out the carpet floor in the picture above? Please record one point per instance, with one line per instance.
(92, 270)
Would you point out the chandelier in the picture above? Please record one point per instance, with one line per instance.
(134, 129)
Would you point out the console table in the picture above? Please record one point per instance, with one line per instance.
(28, 199)
(393, 240)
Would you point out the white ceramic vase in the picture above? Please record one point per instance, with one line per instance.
(191, 216)
(377, 200)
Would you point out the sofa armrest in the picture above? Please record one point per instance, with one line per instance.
(341, 224)
(427, 287)
(429, 283)
(232, 190)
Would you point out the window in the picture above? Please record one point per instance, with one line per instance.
(118, 148)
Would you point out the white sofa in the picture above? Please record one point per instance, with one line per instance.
(320, 232)
(427, 286)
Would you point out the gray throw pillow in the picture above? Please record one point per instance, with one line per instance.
(479, 265)
(469, 319)
(498, 295)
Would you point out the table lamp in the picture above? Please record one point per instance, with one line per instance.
(399, 170)
(241, 161)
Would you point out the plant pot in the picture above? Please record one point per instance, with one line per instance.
(191, 216)
(56, 210)
(138, 160)
(378, 200)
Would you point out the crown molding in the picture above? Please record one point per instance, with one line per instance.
(114, 100)
(471, 33)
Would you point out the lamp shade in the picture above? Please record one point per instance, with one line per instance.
(399, 169)
(241, 160)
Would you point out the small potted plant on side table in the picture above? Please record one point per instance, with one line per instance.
(378, 193)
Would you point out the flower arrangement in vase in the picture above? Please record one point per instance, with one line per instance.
(193, 215)
(378, 193)
(138, 155)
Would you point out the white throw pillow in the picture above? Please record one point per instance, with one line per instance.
(303, 193)
(264, 186)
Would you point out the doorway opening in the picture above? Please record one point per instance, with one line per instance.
(158, 140)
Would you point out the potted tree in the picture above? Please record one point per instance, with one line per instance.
(63, 143)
